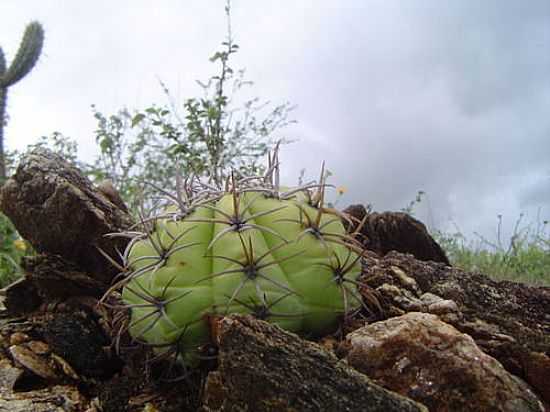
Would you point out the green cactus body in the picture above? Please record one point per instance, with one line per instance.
(285, 261)
(23, 62)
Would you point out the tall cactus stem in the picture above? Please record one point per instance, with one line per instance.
(2, 123)
(24, 61)
(2, 61)
(26, 57)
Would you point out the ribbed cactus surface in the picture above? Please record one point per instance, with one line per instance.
(25, 59)
(251, 248)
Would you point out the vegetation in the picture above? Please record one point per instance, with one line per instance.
(524, 257)
(213, 134)
(12, 249)
(24, 61)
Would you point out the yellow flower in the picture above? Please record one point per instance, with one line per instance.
(20, 245)
(341, 190)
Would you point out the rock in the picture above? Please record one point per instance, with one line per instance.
(508, 321)
(34, 363)
(22, 391)
(423, 358)
(72, 343)
(18, 338)
(40, 377)
(58, 398)
(53, 277)
(49, 279)
(537, 371)
(9, 376)
(108, 189)
(80, 342)
(38, 347)
(384, 232)
(264, 368)
(58, 210)
(21, 297)
(136, 392)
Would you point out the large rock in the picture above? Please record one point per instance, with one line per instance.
(384, 232)
(425, 359)
(508, 321)
(49, 278)
(264, 368)
(56, 208)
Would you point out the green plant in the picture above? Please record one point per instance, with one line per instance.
(409, 209)
(229, 137)
(220, 131)
(250, 246)
(132, 152)
(25, 59)
(524, 257)
(12, 248)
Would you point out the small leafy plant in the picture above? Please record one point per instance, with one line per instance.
(12, 248)
(220, 131)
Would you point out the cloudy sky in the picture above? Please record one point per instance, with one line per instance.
(451, 97)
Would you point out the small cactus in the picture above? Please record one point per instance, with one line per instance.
(253, 247)
(25, 59)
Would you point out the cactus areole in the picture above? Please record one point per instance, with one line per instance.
(253, 248)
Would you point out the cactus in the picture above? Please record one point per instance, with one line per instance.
(25, 59)
(254, 247)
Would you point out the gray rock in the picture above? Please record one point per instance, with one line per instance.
(59, 211)
(264, 368)
(423, 358)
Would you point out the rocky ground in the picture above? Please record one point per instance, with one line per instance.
(431, 337)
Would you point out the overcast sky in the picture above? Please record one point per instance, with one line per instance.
(448, 97)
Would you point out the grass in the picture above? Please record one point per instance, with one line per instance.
(524, 257)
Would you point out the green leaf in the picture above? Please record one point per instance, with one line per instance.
(105, 144)
(137, 119)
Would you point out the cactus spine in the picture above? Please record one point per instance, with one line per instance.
(25, 59)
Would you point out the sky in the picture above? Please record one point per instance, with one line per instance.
(451, 97)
